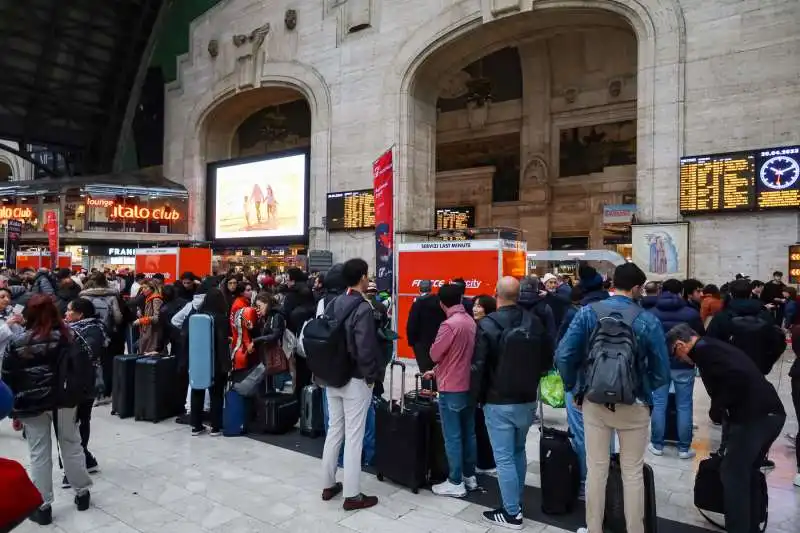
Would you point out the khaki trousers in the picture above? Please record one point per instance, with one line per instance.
(632, 423)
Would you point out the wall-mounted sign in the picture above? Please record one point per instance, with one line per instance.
(144, 213)
(15, 212)
(99, 202)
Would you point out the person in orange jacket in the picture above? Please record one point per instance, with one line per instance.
(712, 303)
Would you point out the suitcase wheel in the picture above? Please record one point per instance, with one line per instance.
(415, 490)
(379, 476)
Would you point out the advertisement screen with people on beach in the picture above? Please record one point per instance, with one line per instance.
(265, 198)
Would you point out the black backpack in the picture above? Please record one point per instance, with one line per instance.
(760, 339)
(612, 374)
(325, 346)
(521, 350)
(76, 373)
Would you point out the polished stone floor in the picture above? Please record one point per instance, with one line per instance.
(157, 478)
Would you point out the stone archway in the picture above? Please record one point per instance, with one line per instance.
(660, 31)
(212, 123)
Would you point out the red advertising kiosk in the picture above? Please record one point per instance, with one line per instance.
(481, 261)
(172, 262)
(37, 259)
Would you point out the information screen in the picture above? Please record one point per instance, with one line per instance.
(351, 210)
(778, 181)
(717, 183)
(455, 218)
(763, 180)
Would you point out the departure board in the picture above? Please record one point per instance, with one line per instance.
(351, 210)
(778, 179)
(762, 180)
(455, 218)
(717, 183)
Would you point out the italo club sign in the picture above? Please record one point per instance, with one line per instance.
(134, 211)
(15, 212)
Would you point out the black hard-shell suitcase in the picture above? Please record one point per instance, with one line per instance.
(614, 521)
(426, 400)
(485, 452)
(122, 395)
(155, 388)
(276, 413)
(559, 469)
(312, 419)
(401, 439)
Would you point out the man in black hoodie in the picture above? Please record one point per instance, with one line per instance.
(533, 298)
(754, 412)
(424, 319)
(67, 290)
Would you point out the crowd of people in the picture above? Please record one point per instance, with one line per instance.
(484, 356)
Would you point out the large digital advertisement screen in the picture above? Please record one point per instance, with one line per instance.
(264, 198)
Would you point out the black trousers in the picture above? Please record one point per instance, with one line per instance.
(422, 353)
(796, 403)
(747, 444)
(217, 393)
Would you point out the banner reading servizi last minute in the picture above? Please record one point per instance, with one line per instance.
(383, 174)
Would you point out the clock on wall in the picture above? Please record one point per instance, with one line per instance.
(779, 172)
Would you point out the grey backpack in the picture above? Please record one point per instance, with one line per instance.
(612, 375)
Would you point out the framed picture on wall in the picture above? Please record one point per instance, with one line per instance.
(661, 250)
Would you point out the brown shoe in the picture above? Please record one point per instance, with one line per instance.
(359, 502)
(331, 492)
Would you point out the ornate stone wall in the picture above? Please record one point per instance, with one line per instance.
(705, 82)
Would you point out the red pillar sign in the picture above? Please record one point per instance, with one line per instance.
(383, 175)
(51, 224)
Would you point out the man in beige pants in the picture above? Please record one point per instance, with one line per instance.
(623, 406)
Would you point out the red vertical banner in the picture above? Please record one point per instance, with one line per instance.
(51, 224)
(383, 182)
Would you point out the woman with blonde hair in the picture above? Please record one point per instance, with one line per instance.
(150, 331)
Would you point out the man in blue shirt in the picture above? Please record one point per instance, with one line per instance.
(631, 421)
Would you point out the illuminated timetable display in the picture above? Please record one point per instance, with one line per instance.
(455, 218)
(721, 182)
(351, 210)
(762, 180)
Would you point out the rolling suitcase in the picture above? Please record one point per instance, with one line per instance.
(201, 351)
(276, 413)
(401, 439)
(154, 398)
(234, 414)
(122, 395)
(426, 400)
(614, 521)
(485, 452)
(559, 469)
(312, 419)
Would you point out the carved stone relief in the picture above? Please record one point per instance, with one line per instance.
(290, 19)
(248, 63)
(213, 48)
(358, 15)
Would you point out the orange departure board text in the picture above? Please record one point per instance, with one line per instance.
(717, 183)
(351, 210)
(455, 218)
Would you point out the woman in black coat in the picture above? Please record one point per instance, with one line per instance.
(269, 334)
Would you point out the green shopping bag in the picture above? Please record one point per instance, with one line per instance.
(551, 390)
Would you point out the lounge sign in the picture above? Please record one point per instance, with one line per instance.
(134, 212)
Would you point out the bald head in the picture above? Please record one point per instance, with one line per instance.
(507, 291)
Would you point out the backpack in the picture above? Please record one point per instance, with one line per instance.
(520, 358)
(102, 309)
(612, 375)
(299, 349)
(325, 346)
(76, 373)
(761, 340)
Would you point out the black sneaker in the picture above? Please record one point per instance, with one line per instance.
(82, 501)
(499, 517)
(91, 464)
(767, 464)
(198, 431)
(42, 516)
(65, 483)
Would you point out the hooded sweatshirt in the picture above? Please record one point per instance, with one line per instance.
(671, 310)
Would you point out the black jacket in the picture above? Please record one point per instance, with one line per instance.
(531, 300)
(721, 326)
(170, 332)
(298, 306)
(361, 335)
(30, 369)
(66, 292)
(95, 335)
(486, 357)
(270, 329)
(424, 319)
(222, 346)
(560, 304)
(733, 381)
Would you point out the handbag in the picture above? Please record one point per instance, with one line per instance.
(276, 361)
(248, 385)
(551, 390)
(19, 498)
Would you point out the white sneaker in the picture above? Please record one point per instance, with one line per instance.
(471, 483)
(582, 530)
(797, 480)
(686, 455)
(655, 451)
(488, 472)
(450, 489)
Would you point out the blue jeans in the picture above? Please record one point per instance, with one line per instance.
(458, 427)
(508, 427)
(683, 380)
(575, 423)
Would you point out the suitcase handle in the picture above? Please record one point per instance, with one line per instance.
(402, 366)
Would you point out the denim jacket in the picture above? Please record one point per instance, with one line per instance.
(574, 348)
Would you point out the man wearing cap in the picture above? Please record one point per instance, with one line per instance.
(424, 319)
(556, 299)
